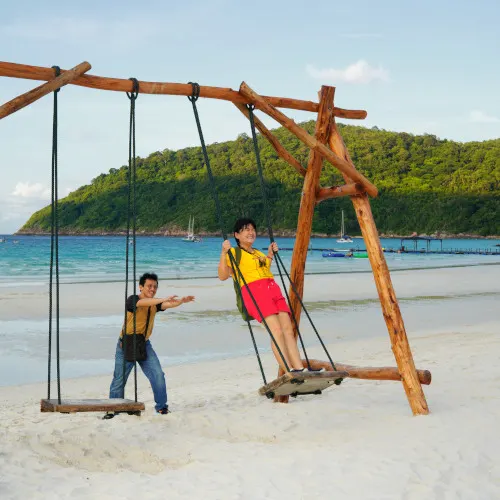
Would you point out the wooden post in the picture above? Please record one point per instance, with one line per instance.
(387, 296)
(282, 152)
(344, 166)
(38, 92)
(307, 204)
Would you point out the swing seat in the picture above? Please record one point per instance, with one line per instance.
(79, 405)
(298, 384)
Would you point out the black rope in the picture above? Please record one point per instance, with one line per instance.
(267, 211)
(131, 221)
(54, 250)
(235, 268)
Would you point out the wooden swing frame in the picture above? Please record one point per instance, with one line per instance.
(326, 144)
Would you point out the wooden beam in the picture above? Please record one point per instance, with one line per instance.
(345, 167)
(390, 307)
(306, 210)
(14, 70)
(352, 189)
(368, 372)
(280, 150)
(33, 95)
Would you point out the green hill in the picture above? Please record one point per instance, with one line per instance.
(426, 185)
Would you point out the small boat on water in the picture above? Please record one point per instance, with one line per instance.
(349, 254)
(344, 238)
(191, 237)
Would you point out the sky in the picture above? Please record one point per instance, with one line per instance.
(419, 67)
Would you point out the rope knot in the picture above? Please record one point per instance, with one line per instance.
(195, 92)
(57, 71)
(135, 89)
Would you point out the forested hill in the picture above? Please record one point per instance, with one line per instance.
(426, 185)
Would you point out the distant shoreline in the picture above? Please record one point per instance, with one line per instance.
(279, 234)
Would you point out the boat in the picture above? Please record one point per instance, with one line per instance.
(360, 255)
(344, 238)
(336, 254)
(191, 237)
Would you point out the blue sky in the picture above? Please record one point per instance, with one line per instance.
(420, 67)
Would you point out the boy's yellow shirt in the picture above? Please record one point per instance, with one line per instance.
(250, 266)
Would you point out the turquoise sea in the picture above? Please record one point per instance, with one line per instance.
(25, 259)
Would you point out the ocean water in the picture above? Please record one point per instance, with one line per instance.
(25, 259)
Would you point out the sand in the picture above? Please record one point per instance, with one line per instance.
(223, 441)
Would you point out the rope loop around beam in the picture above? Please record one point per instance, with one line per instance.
(195, 93)
(135, 89)
(57, 71)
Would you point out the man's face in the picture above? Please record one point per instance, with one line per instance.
(149, 289)
(246, 234)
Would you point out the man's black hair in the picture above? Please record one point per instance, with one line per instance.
(148, 276)
(241, 224)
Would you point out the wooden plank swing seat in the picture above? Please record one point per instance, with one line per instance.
(302, 383)
(85, 405)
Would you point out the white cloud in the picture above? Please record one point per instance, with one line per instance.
(358, 72)
(27, 190)
(477, 116)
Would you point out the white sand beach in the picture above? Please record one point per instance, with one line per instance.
(223, 441)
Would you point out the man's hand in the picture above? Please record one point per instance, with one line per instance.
(175, 301)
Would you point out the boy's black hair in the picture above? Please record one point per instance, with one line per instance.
(241, 224)
(148, 276)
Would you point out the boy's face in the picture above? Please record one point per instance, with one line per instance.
(149, 289)
(246, 234)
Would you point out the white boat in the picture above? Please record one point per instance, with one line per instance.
(191, 237)
(344, 238)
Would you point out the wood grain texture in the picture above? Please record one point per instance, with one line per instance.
(84, 405)
(24, 71)
(33, 95)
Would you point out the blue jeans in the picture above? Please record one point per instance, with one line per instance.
(150, 367)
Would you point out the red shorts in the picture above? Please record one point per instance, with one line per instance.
(268, 296)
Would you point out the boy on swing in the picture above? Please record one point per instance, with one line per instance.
(256, 269)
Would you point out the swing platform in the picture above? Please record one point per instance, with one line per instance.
(299, 384)
(81, 405)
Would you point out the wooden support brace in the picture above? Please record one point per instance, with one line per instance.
(33, 95)
(344, 166)
(368, 372)
(282, 152)
(14, 70)
(352, 189)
